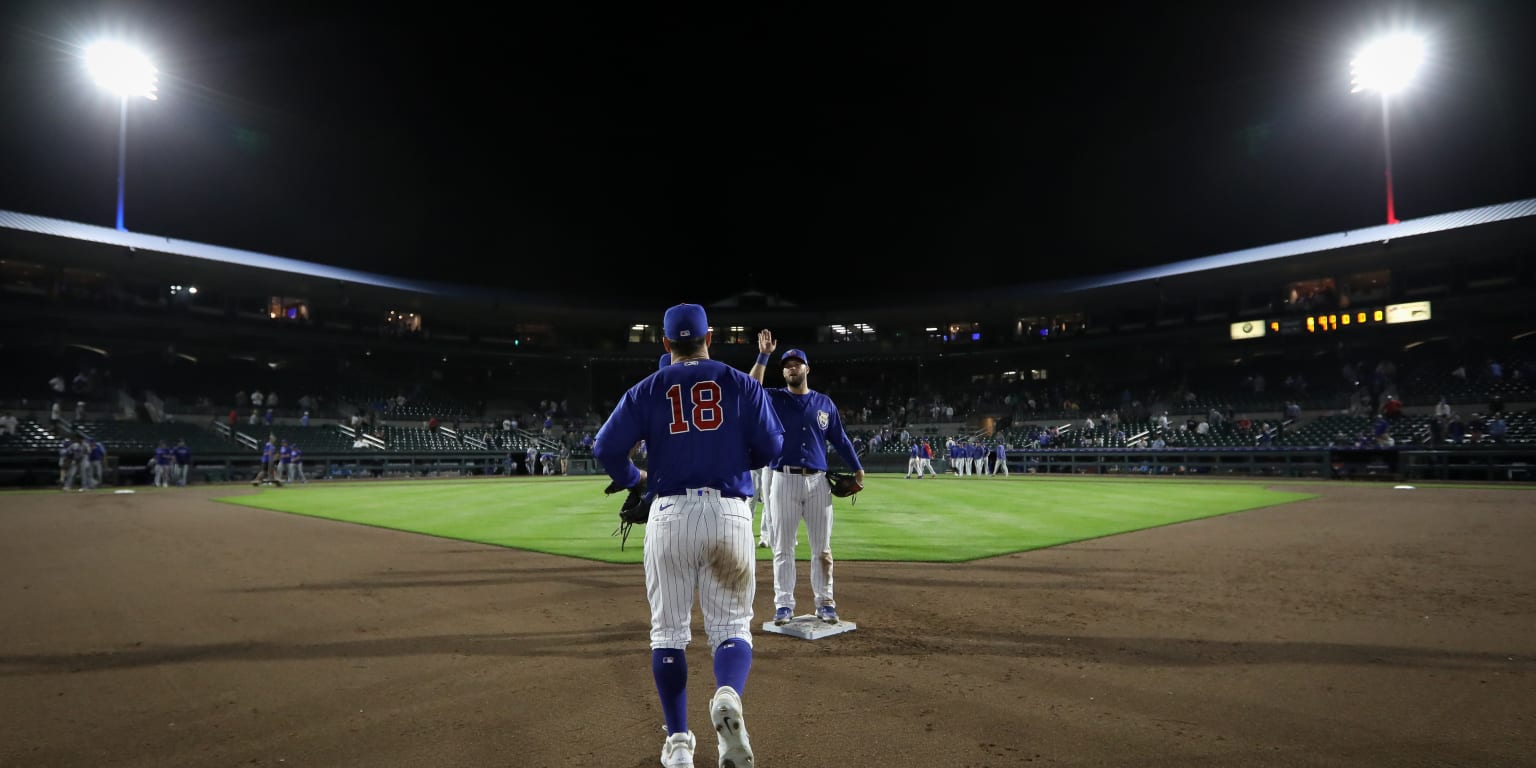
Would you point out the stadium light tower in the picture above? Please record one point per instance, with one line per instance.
(1387, 66)
(127, 73)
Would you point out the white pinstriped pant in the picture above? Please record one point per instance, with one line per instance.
(699, 542)
(793, 498)
(761, 478)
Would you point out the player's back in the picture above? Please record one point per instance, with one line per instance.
(704, 424)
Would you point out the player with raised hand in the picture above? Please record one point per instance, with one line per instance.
(706, 425)
(799, 489)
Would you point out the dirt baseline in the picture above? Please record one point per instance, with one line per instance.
(1368, 627)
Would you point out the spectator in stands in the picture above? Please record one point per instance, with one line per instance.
(1442, 408)
(1495, 405)
(1477, 426)
(258, 399)
(1498, 429)
(8, 424)
(1392, 409)
(272, 399)
(1456, 430)
(79, 410)
(55, 415)
(304, 420)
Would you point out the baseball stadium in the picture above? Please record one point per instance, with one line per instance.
(1278, 573)
(1262, 508)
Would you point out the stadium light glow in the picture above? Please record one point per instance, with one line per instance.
(1387, 66)
(127, 73)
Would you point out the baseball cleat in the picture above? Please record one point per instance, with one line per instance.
(827, 613)
(762, 544)
(677, 750)
(781, 616)
(725, 713)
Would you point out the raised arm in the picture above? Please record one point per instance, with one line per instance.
(765, 347)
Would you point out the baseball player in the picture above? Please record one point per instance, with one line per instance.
(182, 456)
(799, 489)
(914, 462)
(1000, 467)
(162, 465)
(72, 464)
(761, 482)
(96, 457)
(927, 460)
(707, 425)
(296, 464)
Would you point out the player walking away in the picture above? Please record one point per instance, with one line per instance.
(296, 465)
(95, 458)
(928, 459)
(706, 425)
(914, 462)
(162, 465)
(799, 490)
(183, 462)
(72, 464)
(1000, 467)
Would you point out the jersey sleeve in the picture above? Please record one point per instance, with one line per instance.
(615, 439)
(839, 438)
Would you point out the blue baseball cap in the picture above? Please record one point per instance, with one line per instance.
(795, 354)
(666, 360)
(685, 321)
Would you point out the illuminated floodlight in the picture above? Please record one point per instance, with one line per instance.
(122, 70)
(128, 73)
(1387, 65)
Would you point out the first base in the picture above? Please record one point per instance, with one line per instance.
(808, 627)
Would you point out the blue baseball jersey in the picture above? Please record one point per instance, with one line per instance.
(98, 452)
(810, 422)
(162, 456)
(183, 454)
(266, 452)
(704, 423)
(295, 455)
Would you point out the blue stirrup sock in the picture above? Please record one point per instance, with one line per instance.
(670, 668)
(733, 660)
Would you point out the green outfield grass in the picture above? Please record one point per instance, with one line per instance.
(945, 519)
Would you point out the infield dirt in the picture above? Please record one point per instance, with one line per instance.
(1366, 627)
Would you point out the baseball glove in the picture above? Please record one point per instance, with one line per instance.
(636, 509)
(843, 485)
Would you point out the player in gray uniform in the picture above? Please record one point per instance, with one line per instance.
(706, 426)
(799, 489)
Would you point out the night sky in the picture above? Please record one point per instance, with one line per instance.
(796, 149)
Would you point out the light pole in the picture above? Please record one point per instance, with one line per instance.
(1387, 66)
(127, 73)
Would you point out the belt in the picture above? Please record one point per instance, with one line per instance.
(684, 493)
(797, 470)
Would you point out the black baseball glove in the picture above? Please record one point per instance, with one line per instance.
(843, 485)
(636, 509)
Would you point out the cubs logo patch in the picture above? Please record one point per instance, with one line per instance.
(823, 419)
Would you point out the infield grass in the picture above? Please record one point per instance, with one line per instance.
(944, 519)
